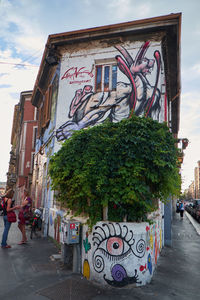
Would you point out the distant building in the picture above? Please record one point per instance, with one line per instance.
(197, 180)
(191, 191)
(23, 139)
(2, 187)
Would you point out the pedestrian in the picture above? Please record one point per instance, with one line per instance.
(24, 216)
(8, 205)
(181, 208)
(177, 207)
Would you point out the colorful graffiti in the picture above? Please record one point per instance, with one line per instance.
(119, 254)
(86, 269)
(116, 249)
(137, 95)
(86, 265)
(57, 228)
(86, 244)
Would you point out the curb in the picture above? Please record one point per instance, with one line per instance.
(195, 224)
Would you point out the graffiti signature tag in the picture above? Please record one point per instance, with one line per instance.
(76, 72)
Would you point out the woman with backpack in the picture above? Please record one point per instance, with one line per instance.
(8, 205)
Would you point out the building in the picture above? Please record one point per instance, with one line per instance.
(191, 191)
(12, 169)
(90, 75)
(23, 137)
(197, 180)
(2, 188)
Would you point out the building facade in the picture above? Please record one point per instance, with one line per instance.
(23, 138)
(191, 191)
(197, 180)
(2, 188)
(89, 76)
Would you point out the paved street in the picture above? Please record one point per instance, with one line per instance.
(27, 272)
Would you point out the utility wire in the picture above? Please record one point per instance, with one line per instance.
(23, 65)
(33, 56)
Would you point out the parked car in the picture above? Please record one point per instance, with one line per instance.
(196, 209)
(189, 207)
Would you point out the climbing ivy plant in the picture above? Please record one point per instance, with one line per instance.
(124, 166)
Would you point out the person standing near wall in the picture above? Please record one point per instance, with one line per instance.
(8, 205)
(24, 216)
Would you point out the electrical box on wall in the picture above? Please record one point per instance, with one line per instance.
(70, 232)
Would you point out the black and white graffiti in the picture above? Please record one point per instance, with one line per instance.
(135, 96)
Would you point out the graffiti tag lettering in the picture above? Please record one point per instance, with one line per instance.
(76, 72)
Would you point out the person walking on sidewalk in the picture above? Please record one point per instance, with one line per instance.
(8, 206)
(24, 215)
(181, 208)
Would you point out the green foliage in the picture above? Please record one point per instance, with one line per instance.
(124, 166)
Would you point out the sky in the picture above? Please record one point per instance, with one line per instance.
(24, 29)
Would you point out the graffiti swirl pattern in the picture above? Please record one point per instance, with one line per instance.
(118, 273)
(140, 247)
(98, 263)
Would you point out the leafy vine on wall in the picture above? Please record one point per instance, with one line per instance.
(124, 166)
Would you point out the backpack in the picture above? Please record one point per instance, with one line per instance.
(1, 204)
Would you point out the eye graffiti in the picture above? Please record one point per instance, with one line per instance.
(115, 247)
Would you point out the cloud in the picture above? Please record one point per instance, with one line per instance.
(129, 9)
(190, 114)
(19, 27)
(196, 69)
(4, 86)
(13, 81)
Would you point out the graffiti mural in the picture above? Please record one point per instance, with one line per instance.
(86, 269)
(57, 228)
(117, 249)
(86, 265)
(137, 95)
(120, 254)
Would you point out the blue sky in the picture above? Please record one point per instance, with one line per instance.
(24, 29)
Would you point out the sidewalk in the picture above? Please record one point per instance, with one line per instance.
(32, 275)
(25, 269)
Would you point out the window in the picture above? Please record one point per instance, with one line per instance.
(34, 137)
(54, 95)
(105, 77)
(36, 114)
(45, 111)
(32, 161)
(47, 107)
